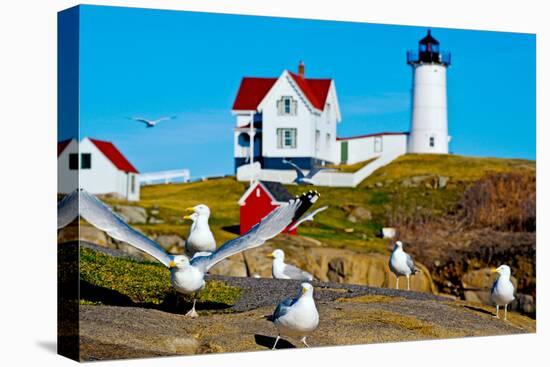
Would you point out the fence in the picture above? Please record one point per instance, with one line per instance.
(164, 177)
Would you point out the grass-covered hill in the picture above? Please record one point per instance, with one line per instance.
(412, 185)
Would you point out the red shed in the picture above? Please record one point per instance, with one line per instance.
(260, 199)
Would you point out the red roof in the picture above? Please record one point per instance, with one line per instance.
(61, 145)
(375, 134)
(114, 155)
(253, 90)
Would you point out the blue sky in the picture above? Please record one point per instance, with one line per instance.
(151, 63)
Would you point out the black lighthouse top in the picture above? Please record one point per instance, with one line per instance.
(428, 52)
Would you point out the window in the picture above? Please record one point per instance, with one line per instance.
(286, 138)
(86, 162)
(317, 139)
(73, 161)
(287, 106)
(432, 141)
(377, 144)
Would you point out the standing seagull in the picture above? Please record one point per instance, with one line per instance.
(297, 317)
(187, 275)
(502, 292)
(280, 270)
(302, 179)
(307, 217)
(401, 264)
(152, 123)
(200, 237)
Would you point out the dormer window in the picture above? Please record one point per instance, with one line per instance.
(287, 106)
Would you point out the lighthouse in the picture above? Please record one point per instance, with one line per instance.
(429, 127)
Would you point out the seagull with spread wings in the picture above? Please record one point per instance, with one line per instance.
(308, 217)
(187, 275)
(301, 178)
(152, 123)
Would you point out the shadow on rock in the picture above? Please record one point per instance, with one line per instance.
(479, 309)
(268, 341)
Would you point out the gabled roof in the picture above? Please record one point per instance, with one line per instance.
(114, 155)
(61, 145)
(275, 190)
(253, 90)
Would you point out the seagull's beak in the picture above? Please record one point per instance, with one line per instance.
(270, 256)
(187, 217)
(190, 209)
(304, 290)
(494, 270)
(172, 264)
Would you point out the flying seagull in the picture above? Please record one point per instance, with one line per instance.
(280, 270)
(200, 237)
(308, 217)
(502, 292)
(402, 264)
(302, 179)
(297, 317)
(152, 123)
(187, 275)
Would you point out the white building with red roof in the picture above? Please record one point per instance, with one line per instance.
(294, 118)
(97, 166)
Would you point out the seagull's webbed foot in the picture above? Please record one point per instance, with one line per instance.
(192, 312)
(303, 340)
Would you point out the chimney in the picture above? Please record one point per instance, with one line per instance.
(301, 69)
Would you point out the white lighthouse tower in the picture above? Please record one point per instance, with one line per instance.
(429, 130)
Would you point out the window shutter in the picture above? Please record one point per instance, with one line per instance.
(294, 107)
(280, 107)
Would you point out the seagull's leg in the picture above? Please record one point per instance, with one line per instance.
(304, 341)
(396, 282)
(505, 312)
(497, 313)
(192, 312)
(408, 282)
(276, 340)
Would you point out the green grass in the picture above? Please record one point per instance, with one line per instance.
(350, 168)
(142, 283)
(382, 194)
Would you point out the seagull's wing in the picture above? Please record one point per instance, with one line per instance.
(67, 209)
(316, 170)
(154, 122)
(270, 226)
(95, 212)
(293, 272)
(410, 264)
(142, 120)
(307, 217)
(298, 170)
(282, 308)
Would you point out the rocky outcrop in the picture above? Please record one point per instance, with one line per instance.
(131, 214)
(348, 315)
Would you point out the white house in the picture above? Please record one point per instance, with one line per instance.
(296, 118)
(98, 166)
(293, 117)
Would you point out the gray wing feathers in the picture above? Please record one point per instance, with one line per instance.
(67, 210)
(307, 217)
(410, 264)
(299, 172)
(296, 273)
(270, 226)
(102, 217)
(282, 308)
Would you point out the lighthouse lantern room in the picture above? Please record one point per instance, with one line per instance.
(429, 129)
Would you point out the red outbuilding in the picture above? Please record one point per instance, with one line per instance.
(259, 200)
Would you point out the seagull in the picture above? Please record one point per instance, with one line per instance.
(186, 275)
(307, 217)
(502, 292)
(280, 270)
(302, 179)
(152, 123)
(297, 317)
(401, 264)
(200, 237)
